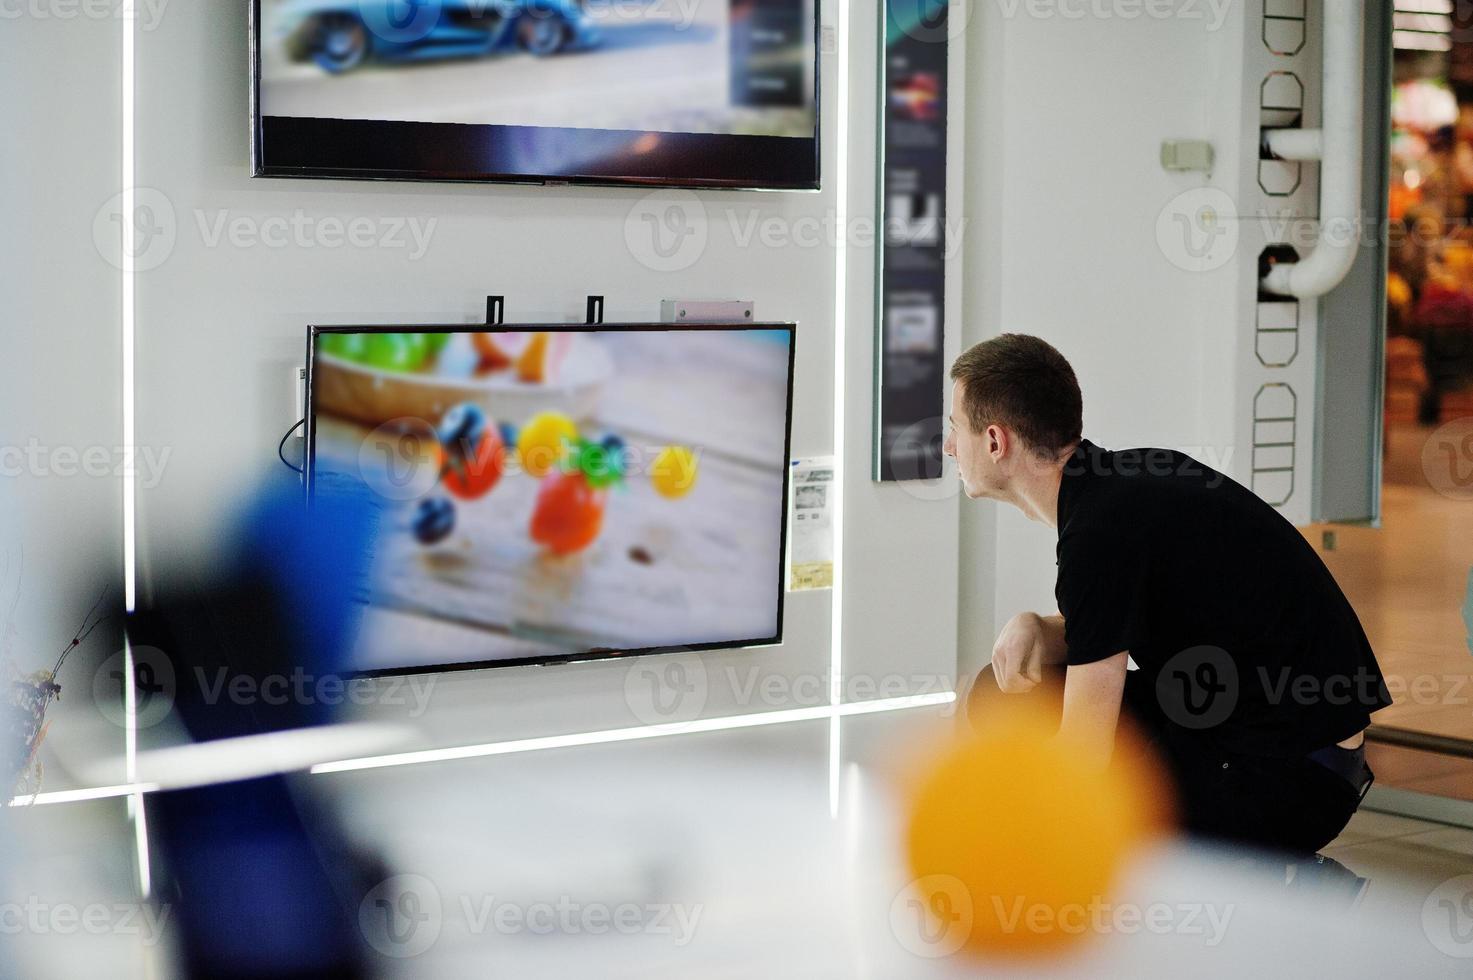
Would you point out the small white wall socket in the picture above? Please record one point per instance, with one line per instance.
(299, 395)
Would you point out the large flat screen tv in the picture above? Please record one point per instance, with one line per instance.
(692, 93)
(551, 492)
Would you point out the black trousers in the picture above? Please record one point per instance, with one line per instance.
(1296, 806)
(1292, 805)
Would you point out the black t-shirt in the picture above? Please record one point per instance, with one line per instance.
(1227, 610)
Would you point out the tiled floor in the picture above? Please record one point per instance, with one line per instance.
(1413, 853)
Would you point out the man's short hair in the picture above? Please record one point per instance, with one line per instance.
(1023, 383)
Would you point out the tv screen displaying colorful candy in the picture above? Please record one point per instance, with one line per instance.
(719, 93)
(554, 492)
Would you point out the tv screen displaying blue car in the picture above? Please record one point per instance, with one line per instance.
(690, 93)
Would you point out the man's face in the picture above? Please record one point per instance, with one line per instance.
(977, 454)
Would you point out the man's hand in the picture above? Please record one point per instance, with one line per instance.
(1018, 654)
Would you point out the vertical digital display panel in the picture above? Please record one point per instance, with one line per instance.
(910, 374)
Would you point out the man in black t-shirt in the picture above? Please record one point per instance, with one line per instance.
(1183, 598)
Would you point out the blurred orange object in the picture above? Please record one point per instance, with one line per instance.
(532, 365)
(1457, 259)
(493, 358)
(1401, 198)
(1404, 362)
(1013, 838)
(1403, 406)
(1398, 293)
(569, 513)
(1455, 405)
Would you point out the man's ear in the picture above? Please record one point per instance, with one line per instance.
(997, 442)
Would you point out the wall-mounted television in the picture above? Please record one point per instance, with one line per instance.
(715, 93)
(546, 493)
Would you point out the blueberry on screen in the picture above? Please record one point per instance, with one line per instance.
(462, 428)
(434, 519)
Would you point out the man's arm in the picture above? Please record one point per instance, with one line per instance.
(1092, 696)
(1027, 644)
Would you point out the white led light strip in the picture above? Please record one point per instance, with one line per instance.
(130, 498)
(841, 284)
(486, 749)
(637, 733)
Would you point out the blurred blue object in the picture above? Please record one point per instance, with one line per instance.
(258, 870)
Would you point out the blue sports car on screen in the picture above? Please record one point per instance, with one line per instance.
(340, 35)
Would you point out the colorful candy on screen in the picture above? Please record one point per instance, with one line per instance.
(492, 357)
(462, 426)
(569, 513)
(433, 520)
(674, 472)
(602, 466)
(387, 351)
(544, 441)
(472, 453)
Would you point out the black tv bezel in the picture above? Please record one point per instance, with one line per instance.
(791, 327)
(383, 136)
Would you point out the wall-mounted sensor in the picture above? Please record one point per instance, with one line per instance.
(706, 311)
(1187, 155)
